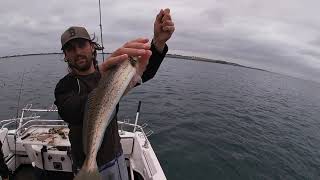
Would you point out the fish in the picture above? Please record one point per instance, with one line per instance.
(100, 108)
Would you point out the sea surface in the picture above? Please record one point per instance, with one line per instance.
(210, 121)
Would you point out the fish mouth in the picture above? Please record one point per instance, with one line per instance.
(133, 60)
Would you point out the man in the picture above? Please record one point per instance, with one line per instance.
(72, 91)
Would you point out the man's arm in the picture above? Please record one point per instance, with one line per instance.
(163, 30)
(70, 104)
(154, 62)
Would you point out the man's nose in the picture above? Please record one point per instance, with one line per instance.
(77, 50)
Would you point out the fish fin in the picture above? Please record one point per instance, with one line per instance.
(88, 174)
(135, 81)
(86, 119)
(137, 78)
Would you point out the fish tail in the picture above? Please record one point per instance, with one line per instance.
(87, 173)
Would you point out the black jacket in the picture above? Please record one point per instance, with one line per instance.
(4, 171)
(71, 95)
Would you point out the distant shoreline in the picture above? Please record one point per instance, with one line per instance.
(193, 58)
(32, 54)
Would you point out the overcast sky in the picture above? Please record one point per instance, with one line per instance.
(280, 36)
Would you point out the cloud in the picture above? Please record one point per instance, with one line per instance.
(281, 36)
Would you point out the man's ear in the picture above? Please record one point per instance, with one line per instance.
(65, 57)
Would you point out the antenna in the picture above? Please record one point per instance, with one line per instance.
(101, 31)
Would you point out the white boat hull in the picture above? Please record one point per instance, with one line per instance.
(35, 146)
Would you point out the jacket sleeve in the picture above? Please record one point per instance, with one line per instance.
(70, 105)
(4, 171)
(154, 62)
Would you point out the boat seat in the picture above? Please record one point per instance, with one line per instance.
(49, 158)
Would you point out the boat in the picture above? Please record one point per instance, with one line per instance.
(34, 146)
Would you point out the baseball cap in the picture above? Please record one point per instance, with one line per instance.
(74, 32)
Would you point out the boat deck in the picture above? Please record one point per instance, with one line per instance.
(28, 172)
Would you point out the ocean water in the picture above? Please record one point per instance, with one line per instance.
(210, 121)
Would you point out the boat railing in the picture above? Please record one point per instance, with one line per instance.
(40, 123)
(35, 121)
(7, 122)
(139, 128)
(34, 118)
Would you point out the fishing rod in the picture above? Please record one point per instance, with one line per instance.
(102, 47)
(2, 84)
(16, 124)
(137, 117)
(20, 90)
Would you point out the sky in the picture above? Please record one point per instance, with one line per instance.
(279, 36)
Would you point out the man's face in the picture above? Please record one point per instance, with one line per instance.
(78, 53)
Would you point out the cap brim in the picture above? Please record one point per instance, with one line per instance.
(72, 38)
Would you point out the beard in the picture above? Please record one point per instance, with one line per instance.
(81, 63)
